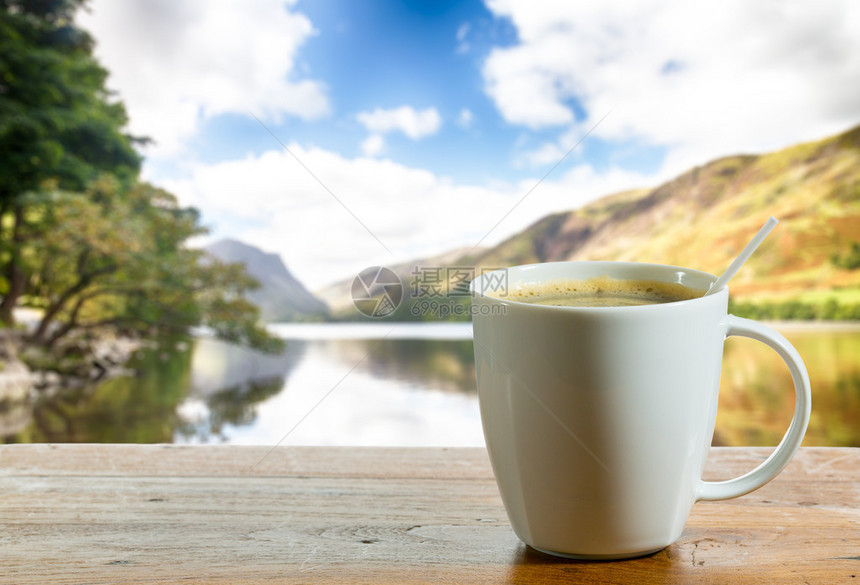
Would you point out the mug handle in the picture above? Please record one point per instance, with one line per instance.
(732, 488)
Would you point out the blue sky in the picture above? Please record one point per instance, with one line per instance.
(382, 54)
(412, 128)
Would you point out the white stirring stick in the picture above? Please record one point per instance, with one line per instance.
(721, 282)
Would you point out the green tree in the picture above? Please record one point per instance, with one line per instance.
(116, 256)
(79, 234)
(58, 123)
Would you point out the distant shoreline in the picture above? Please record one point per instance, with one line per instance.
(814, 325)
(402, 329)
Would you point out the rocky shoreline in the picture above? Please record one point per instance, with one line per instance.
(27, 372)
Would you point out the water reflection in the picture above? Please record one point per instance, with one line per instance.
(226, 385)
(140, 409)
(393, 386)
(372, 392)
(423, 363)
(757, 396)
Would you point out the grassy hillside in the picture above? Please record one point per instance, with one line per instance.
(704, 217)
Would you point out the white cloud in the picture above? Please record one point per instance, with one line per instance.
(465, 118)
(413, 123)
(701, 78)
(373, 145)
(272, 202)
(178, 62)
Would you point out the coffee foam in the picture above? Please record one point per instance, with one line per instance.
(636, 291)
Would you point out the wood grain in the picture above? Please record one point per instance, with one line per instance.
(180, 514)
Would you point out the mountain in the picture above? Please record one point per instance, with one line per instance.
(338, 295)
(704, 217)
(281, 297)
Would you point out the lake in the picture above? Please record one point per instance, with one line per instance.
(398, 384)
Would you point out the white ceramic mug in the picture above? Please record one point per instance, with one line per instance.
(598, 420)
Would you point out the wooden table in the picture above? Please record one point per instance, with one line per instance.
(224, 514)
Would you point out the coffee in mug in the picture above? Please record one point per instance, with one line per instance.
(598, 419)
(601, 291)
